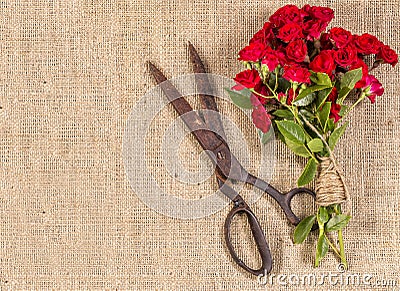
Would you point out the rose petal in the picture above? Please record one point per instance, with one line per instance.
(260, 117)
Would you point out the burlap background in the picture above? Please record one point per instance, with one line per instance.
(70, 73)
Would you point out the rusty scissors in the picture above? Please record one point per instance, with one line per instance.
(227, 167)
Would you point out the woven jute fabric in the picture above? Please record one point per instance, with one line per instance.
(70, 74)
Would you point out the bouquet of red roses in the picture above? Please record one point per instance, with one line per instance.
(298, 79)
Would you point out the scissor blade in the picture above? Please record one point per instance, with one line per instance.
(207, 99)
(227, 190)
(207, 139)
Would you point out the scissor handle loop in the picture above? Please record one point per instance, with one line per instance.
(242, 208)
(286, 200)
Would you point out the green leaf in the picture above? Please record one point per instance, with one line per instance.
(322, 249)
(303, 94)
(315, 145)
(303, 229)
(322, 96)
(298, 149)
(324, 114)
(240, 98)
(348, 82)
(291, 131)
(336, 134)
(323, 215)
(330, 125)
(307, 114)
(307, 100)
(283, 84)
(283, 113)
(343, 110)
(321, 79)
(272, 79)
(350, 79)
(337, 222)
(343, 94)
(308, 173)
(265, 137)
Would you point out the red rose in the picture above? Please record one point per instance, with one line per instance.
(296, 51)
(286, 14)
(367, 44)
(324, 62)
(295, 73)
(340, 36)
(324, 14)
(388, 55)
(261, 118)
(360, 64)
(335, 109)
(273, 59)
(253, 52)
(313, 29)
(325, 42)
(281, 47)
(345, 57)
(290, 31)
(372, 88)
(306, 10)
(247, 79)
(264, 35)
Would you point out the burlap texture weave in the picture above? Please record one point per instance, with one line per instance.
(70, 74)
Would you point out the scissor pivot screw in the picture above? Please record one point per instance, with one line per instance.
(220, 156)
(238, 203)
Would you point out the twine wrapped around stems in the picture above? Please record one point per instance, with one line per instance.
(330, 187)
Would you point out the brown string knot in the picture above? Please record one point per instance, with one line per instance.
(330, 185)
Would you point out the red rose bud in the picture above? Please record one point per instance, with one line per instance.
(281, 95)
(388, 55)
(290, 97)
(324, 62)
(253, 52)
(260, 117)
(295, 73)
(296, 51)
(340, 37)
(264, 35)
(313, 29)
(246, 79)
(372, 88)
(333, 95)
(345, 57)
(286, 14)
(261, 89)
(367, 44)
(335, 109)
(290, 32)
